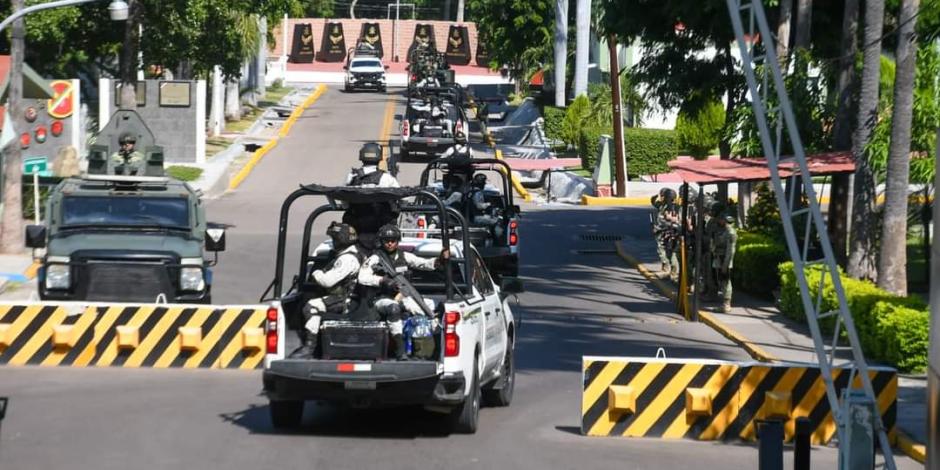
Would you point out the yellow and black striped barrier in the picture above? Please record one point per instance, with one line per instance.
(126, 335)
(714, 400)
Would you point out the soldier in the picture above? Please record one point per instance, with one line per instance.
(709, 283)
(127, 160)
(723, 244)
(369, 175)
(667, 233)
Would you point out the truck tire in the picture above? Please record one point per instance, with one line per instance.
(464, 418)
(286, 414)
(503, 396)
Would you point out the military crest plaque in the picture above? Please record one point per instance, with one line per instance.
(482, 55)
(333, 45)
(458, 46)
(371, 34)
(302, 50)
(424, 37)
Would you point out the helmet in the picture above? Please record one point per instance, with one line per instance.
(669, 195)
(370, 153)
(342, 235)
(389, 232)
(479, 181)
(127, 138)
(693, 195)
(729, 219)
(460, 137)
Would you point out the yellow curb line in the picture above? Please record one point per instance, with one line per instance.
(258, 154)
(707, 318)
(912, 448)
(515, 181)
(614, 201)
(386, 131)
(32, 270)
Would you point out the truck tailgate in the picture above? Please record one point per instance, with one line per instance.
(342, 371)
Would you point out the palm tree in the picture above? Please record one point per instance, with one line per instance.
(892, 264)
(247, 28)
(861, 254)
(783, 32)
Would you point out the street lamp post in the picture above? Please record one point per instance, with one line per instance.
(117, 9)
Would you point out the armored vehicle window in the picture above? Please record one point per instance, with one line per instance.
(126, 210)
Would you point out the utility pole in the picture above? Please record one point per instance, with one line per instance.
(617, 100)
(581, 51)
(933, 366)
(561, 50)
(11, 238)
(129, 65)
(459, 11)
(395, 31)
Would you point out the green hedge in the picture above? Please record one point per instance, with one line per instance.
(554, 117)
(649, 150)
(589, 145)
(753, 254)
(885, 328)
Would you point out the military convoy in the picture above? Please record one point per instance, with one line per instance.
(123, 233)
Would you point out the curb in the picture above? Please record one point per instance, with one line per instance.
(912, 448)
(515, 181)
(32, 270)
(707, 318)
(288, 124)
(614, 201)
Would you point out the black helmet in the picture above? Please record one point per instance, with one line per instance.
(669, 195)
(479, 181)
(389, 232)
(460, 137)
(126, 138)
(370, 153)
(342, 235)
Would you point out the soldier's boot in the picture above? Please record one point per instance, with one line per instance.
(306, 351)
(726, 306)
(398, 348)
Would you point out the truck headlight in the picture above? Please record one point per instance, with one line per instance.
(58, 276)
(191, 279)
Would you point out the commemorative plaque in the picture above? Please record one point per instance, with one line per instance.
(424, 36)
(482, 55)
(371, 34)
(458, 46)
(302, 51)
(333, 45)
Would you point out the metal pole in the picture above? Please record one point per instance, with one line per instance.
(561, 50)
(395, 30)
(581, 47)
(933, 367)
(36, 196)
(770, 450)
(40, 7)
(699, 224)
(616, 99)
(801, 448)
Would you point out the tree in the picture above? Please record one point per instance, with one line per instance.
(11, 237)
(699, 131)
(861, 263)
(783, 31)
(320, 8)
(518, 33)
(842, 131)
(892, 262)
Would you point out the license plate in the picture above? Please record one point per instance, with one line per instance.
(359, 385)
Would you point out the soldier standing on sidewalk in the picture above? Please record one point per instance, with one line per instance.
(666, 231)
(715, 210)
(723, 245)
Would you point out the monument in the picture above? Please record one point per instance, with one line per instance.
(333, 45)
(458, 46)
(371, 34)
(302, 50)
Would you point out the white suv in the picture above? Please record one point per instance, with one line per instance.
(365, 72)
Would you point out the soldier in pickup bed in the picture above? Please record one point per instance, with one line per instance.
(383, 292)
(338, 279)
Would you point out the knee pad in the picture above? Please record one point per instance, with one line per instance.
(314, 306)
(396, 327)
(313, 324)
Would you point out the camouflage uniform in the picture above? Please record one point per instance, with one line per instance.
(667, 238)
(709, 284)
(723, 245)
(127, 163)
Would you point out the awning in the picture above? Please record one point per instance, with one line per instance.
(755, 169)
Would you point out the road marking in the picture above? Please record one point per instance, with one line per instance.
(386, 130)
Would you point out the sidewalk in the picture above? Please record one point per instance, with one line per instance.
(761, 327)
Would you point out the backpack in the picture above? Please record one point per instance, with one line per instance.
(361, 178)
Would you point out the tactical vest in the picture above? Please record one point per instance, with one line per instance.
(361, 178)
(345, 287)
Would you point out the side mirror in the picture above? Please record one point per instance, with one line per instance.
(36, 236)
(215, 239)
(511, 285)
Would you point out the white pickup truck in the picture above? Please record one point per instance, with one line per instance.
(472, 360)
(365, 72)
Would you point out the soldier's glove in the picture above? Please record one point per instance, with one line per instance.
(389, 286)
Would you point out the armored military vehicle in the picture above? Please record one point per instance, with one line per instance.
(125, 235)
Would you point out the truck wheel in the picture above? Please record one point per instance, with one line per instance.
(503, 396)
(286, 414)
(464, 418)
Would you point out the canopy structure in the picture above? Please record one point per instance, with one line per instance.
(359, 195)
(756, 169)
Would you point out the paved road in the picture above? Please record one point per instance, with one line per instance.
(581, 300)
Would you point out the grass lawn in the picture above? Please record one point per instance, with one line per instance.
(215, 145)
(245, 122)
(273, 95)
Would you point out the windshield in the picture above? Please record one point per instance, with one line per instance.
(143, 211)
(366, 63)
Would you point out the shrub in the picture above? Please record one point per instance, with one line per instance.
(589, 145)
(904, 335)
(184, 173)
(754, 252)
(869, 307)
(764, 215)
(700, 132)
(553, 121)
(649, 150)
(577, 116)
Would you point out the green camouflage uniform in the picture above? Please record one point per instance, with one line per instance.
(667, 238)
(723, 245)
(131, 164)
(707, 279)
